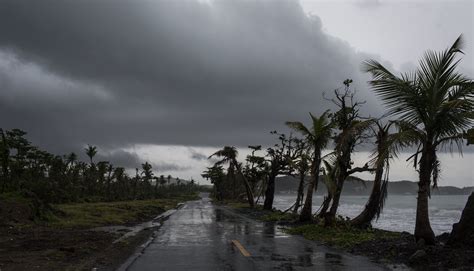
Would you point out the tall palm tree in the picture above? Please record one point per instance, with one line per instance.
(229, 155)
(434, 104)
(91, 151)
(317, 136)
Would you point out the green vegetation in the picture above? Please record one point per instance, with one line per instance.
(278, 216)
(339, 235)
(40, 188)
(88, 215)
(19, 211)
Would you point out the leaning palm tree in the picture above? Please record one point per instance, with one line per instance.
(317, 137)
(229, 155)
(387, 146)
(91, 151)
(434, 104)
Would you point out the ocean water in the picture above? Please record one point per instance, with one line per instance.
(399, 211)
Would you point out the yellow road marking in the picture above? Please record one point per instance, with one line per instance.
(244, 252)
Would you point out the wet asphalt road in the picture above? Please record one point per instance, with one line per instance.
(199, 237)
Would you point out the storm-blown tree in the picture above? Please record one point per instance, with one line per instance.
(256, 170)
(435, 104)
(317, 136)
(386, 146)
(229, 155)
(351, 133)
(217, 177)
(280, 159)
(302, 167)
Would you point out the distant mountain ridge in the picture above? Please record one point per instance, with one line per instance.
(288, 184)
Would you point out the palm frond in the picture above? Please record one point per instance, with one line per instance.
(299, 127)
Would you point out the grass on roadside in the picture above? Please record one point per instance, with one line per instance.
(341, 236)
(278, 216)
(88, 215)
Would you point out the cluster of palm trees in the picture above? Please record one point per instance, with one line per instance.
(26, 169)
(431, 110)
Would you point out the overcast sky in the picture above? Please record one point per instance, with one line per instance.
(169, 81)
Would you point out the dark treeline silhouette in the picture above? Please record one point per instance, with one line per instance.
(33, 172)
(432, 109)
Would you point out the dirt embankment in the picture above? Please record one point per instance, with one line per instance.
(64, 237)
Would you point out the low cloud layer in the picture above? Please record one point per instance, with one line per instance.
(165, 72)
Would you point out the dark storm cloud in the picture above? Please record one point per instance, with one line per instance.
(120, 158)
(113, 73)
(131, 160)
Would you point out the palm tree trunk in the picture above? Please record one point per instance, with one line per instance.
(364, 219)
(248, 189)
(299, 198)
(269, 192)
(422, 225)
(325, 205)
(331, 215)
(344, 165)
(307, 207)
(306, 212)
(262, 188)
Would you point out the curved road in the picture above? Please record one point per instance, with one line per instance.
(202, 236)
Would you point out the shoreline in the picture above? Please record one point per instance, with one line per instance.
(399, 210)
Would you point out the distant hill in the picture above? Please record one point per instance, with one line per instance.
(288, 184)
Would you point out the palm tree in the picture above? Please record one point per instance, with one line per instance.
(302, 167)
(229, 155)
(317, 137)
(386, 147)
(91, 151)
(147, 172)
(434, 104)
(71, 159)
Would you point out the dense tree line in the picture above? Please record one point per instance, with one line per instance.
(27, 169)
(431, 108)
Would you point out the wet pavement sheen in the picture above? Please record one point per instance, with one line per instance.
(199, 237)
